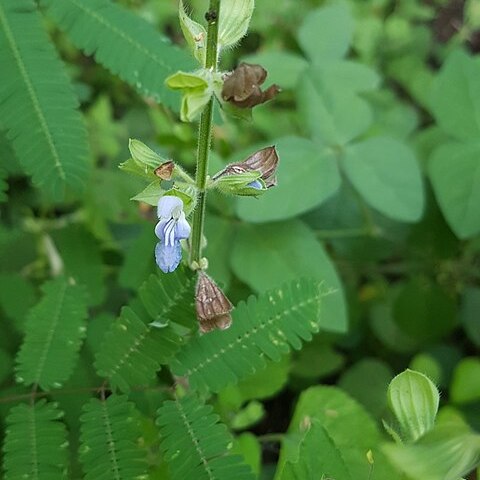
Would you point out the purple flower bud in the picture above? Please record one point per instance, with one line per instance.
(171, 228)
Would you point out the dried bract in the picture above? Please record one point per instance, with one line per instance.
(213, 307)
(165, 170)
(242, 87)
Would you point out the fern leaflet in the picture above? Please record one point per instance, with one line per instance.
(263, 328)
(37, 103)
(149, 331)
(195, 445)
(124, 43)
(53, 335)
(109, 440)
(35, 443)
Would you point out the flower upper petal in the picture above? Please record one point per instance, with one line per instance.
(168, 256)
(166, 206)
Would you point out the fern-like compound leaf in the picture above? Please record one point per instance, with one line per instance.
(35, 443)
(124, 43)
(37, 103)
(195, 444)
(149, 331)
(109, 440)
(263, 328)
(53, 335)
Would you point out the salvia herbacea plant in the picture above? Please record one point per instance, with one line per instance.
(172, 190)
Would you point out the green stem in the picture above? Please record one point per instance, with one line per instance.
(204, 137)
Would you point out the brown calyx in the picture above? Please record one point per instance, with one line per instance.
(212, 306)
(242, 86)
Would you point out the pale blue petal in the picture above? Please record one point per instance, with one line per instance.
(167, 204)
(160, 228)
(168, 257)
(256, 184)
(183, 228)
(169, 232)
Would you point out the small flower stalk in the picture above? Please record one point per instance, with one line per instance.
(212, 306)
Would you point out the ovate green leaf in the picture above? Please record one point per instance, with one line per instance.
(327, 32)
(318, 457)
(284, 68)
(367, 382)
(386, 174)
(414, 400)
(465, 386)
(456, 96)
(454, 170)
(332, 114)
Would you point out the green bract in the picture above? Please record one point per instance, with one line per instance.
(197, 89)
(239, 184)
(413, 399)
(235, 17)
(143, 155)
(150, 194)
(194, 33)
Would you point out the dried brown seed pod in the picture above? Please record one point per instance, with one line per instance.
(165, 170)
(213, 307)
(242, 86)
(264, 161)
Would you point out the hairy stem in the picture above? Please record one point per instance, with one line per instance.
(204, 137)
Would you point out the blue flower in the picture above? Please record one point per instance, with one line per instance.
(171, 228)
